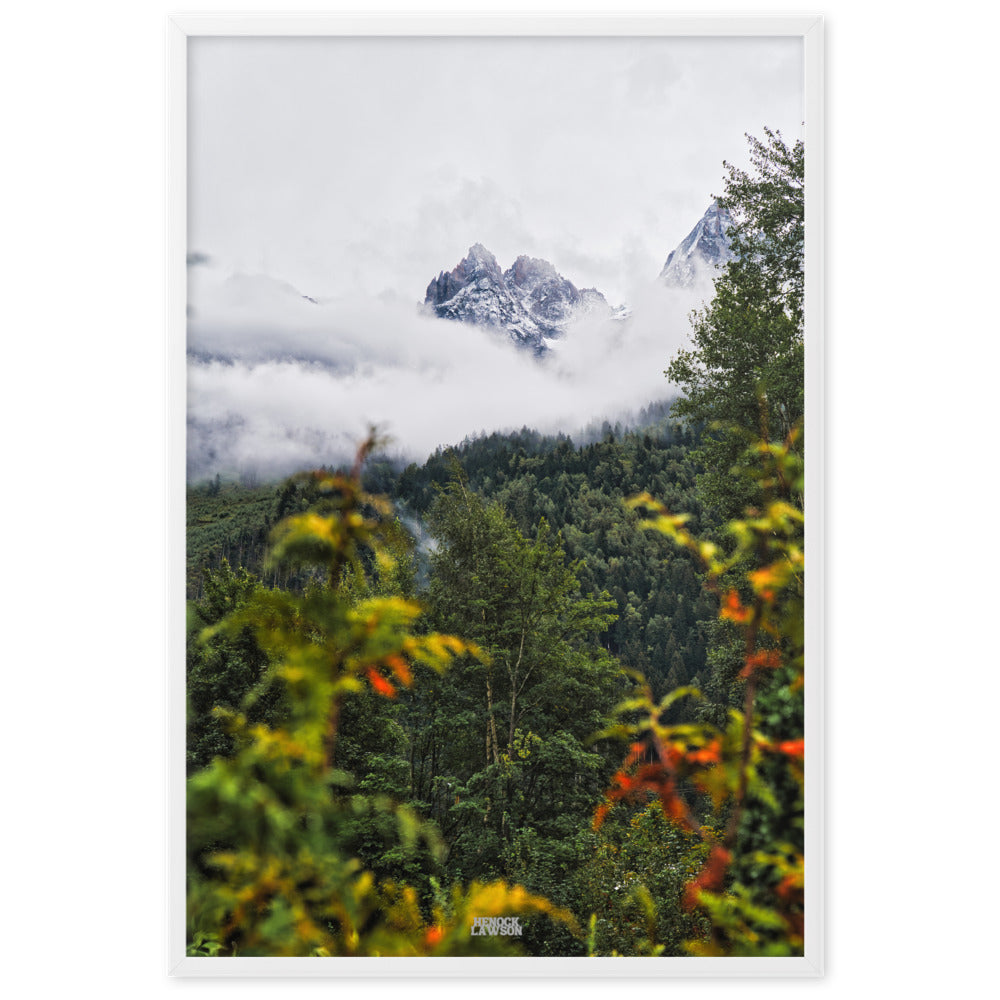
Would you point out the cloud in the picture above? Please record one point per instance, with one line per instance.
(277, 383)
(347, 164)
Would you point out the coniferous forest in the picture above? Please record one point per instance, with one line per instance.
(534, 695)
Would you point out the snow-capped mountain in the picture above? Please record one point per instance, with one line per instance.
(702, 252)
(531, 301)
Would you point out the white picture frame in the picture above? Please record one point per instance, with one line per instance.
(180, 30)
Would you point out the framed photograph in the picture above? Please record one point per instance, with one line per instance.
(492, 347)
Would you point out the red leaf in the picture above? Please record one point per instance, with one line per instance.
(765, 658)
(599, 814)
(380, 684)
(711, 877)
(734, 610)
(635, 752)
(707, 755)
(400, 668)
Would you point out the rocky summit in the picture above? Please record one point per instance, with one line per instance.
(702, 252)
(530, 301)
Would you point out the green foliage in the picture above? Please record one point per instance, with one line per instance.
(663, 611)
(269, 827)
(733, 774)
(520, 600)
(750, 769)
(497, 744)
(632, 882)
(747, 344)
(522, 818)
(226, 522)
(222, 670)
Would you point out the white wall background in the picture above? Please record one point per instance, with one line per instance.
(911, 351)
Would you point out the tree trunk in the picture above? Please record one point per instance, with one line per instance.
(514, 674)
(491, 722)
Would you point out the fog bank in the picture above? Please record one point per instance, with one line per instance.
(278, 382)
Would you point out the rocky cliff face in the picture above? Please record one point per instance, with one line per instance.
(530, 301)
(702, 252)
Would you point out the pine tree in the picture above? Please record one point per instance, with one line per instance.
(743, 377)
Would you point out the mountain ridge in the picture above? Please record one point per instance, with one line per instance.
(530, 301)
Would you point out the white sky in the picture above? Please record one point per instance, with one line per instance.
(369, 165)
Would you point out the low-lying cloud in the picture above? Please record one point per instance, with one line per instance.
(278, 383)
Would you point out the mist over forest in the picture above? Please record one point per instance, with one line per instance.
(278, 381)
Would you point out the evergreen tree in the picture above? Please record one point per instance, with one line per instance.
(503, 761)
(745, 367)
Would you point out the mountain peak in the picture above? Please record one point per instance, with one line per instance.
(478, 265)
(530, 301)
(478, 254)
(527, 270)
(702, 252)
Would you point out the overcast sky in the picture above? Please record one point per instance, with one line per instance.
(355, 170)
(372, 164)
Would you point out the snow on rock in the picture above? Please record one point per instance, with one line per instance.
(702, 252)
(531, 301)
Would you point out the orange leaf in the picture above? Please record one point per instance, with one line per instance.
(625, 782)
(734, 610)
(765, 577)
(711, 877)
(635, 752)
(380, 684)
(794, 748)
(766, 658)
(790, 887)
(674, 809)
(599, 814)
(707, 755)
(400, 668)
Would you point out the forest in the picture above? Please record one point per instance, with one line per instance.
(532, 696)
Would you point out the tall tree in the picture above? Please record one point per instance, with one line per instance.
(743, 376)
(520, 601)
(521, 782)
